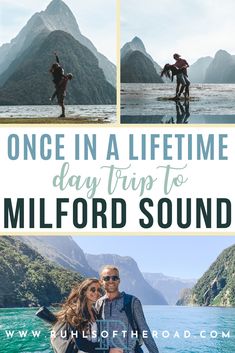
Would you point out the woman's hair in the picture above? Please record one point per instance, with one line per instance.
(54, 67)
(166, 71)
(75, 311)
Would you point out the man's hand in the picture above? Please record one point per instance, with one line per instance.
(116, 350)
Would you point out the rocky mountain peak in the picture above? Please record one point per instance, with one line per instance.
(221, 53)
(56, 6)
(137, 40)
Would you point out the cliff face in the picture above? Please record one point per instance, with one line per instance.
(170, 287)
(30, 82)
(217, 285)
(132, 280)
(129, 57)
(63, 251)
(28, 279)
(137, 68)
(219, 68)
(57, 16)
(197, 71)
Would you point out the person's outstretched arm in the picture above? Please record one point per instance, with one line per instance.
(143, 326)
(57, 58)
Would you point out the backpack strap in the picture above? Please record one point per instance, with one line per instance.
(128, 307)
(128, 302)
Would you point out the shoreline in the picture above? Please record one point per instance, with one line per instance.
(56, 120)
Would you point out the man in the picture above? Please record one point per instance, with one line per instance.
(182, 76)
(123, 313)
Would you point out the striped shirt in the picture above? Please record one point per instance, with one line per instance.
(115, 320)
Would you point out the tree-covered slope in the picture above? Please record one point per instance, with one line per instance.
(137, 68)
(217, 285)
(28, 279)
(31, 83)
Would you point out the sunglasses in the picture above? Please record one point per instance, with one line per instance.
(108, 278)
(94, 289)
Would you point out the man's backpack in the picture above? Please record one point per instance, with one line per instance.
(128, 307)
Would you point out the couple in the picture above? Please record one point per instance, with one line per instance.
(179, 69)
(60, 81)
(116, 313)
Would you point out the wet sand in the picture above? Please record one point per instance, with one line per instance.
(56, 120)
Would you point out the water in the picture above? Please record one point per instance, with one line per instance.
(47, 111)
(164, 319)
(149, 103)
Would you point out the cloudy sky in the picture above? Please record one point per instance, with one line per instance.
(96, 19)
(192, 28)
(184, 257)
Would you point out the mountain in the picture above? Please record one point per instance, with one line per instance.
(28, 279)
(184, 297)
(132, 280)
(170, 287)
(137, 44)
(57, 16)
(197, 71)
(63, 251)
(217, 285)
(219, 69)
(138, 68)
(30, 82)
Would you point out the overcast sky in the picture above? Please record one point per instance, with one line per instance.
(184, 257)
(192, 28)
(96, 20)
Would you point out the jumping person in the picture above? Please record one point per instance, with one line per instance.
(115, 308)
(182, 76)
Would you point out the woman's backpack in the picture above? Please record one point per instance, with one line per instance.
(61, 339)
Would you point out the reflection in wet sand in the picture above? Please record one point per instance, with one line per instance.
(154, 104)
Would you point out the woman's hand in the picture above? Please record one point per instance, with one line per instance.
(115, 350)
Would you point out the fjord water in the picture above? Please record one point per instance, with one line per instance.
(47, 111)
(166, 320)
(150, 103)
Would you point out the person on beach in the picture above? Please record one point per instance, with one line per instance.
(61, 92)
(182, 76)
(57, 72)
(60, 81)
(79, 314)
(117, 307)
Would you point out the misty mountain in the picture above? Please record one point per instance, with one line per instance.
(220, 68)
(57, 16)
(132, 280)
(197, 71)
(30, 82)
(138, 68)
(170, 287)
(62, 250)
(137, 44)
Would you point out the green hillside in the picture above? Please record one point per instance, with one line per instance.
(28, 279)
(29, 82)
(137, 68)
(217, 285)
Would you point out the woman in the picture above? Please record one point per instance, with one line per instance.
(78, 316)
